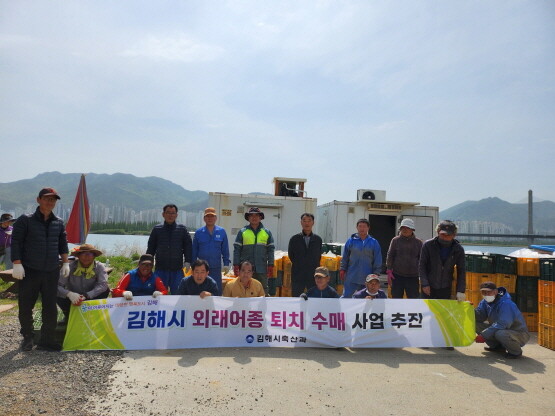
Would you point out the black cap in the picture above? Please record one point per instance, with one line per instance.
(48, 192)
(7, 217)
(488, 286)
(447, 227)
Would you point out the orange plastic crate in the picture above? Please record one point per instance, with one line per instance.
(528, 267)
(546, 336)
(474, 280)
(546, 312)
(546, 291)
(531, 321)
(474, 297)
(508, 281)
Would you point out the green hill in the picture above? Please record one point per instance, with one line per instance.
(512, 215)
(117, 189)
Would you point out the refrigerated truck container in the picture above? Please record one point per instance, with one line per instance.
(336, 220)
(282, 214)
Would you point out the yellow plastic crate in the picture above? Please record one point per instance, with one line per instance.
(508, 281)
(546, 312)
(474, 297)
(531, 321)
(546, 336)
(528, 267)
(546, 291)
(285, 292)
(278, 264)
(339, 289)
(474, 280)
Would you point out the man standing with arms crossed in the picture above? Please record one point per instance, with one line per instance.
(210, 244)
(304, 251)
(255, 244)
(37, 241)
(170, 243)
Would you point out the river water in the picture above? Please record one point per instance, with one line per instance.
(127, 244)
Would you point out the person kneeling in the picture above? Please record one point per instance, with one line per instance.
(244, 286)
(322, 288)
(87, 280)
(199, 283)
(372, 290)
(499, 322)
(140, 281)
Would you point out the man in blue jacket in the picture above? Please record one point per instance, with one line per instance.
(210, 244)
(499, 322)
(362, 256)
(171, 243)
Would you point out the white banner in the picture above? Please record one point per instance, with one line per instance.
(190, 322)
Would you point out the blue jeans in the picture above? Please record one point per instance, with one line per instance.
(350, 288)
(216, 274)
(171, 279)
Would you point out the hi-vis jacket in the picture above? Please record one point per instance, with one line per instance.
(256, 246)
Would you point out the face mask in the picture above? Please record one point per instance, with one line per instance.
(489, 299)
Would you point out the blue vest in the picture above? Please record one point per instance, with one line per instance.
(140, 288)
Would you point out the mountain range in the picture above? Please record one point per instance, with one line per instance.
(514, 216)
(118, 189)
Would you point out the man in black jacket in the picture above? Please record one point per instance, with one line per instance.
(37, 241)
(171, 244)
(304, 252)
(438, 259)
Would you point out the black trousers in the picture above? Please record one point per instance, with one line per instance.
(34, 283)
(65, 303)
(402, 284)
(298, 285)
(443, 293)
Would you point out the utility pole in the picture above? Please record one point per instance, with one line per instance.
(530, 219)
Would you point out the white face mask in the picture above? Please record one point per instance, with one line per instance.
(489, 299)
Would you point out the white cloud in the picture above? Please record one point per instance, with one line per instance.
(174, 48)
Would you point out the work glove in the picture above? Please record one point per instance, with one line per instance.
(156, 293)
(342, 275)
(18, 271)
(461, 297)
(236, 270)
(390, 277)
(270, 271)
(480, 339)
(304, 296)
(128, 295)
(75, 298)
(187, 267)
(225, 269)
(64, 272)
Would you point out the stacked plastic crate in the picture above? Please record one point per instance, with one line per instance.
(528, 270)
(480, 268)
(333, 263)
(546, 305)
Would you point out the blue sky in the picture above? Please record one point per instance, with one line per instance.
(433, 101)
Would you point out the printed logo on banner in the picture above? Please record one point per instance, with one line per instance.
(250, 339)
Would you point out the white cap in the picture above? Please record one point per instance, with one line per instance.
(407, 222)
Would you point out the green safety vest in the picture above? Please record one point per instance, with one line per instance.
(250, 238)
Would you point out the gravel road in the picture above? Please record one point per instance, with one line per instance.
(48, 383)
